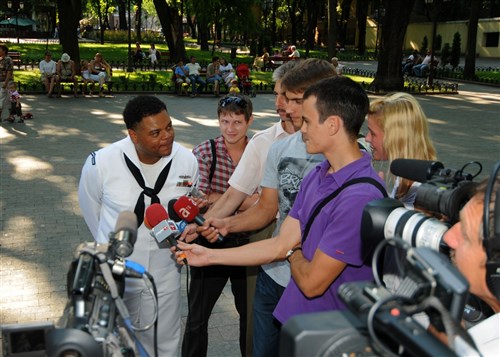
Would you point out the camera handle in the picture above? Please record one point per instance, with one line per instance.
(120, 305)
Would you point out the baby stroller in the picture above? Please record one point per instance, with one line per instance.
(243, 74)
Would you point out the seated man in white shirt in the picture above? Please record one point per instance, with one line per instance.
(48, 73)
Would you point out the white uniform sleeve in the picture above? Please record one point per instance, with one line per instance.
(90, 194)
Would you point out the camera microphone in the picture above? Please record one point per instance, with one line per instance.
(416, 170)
(189, 211)
(122, 240)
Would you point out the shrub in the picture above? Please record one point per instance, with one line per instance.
(455, 51)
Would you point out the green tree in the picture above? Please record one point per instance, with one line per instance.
(170, 16)
(455, 50)
(425, 45)
(445, 54)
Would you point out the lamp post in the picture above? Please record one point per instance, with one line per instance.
(19, 7)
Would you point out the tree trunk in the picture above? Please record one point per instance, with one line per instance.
(389, 75)
(72, 10)
(138, 21)
(312, 17)
(470, 52)
(361, 15)
(171, 22)
(332, 28)
(122, 14)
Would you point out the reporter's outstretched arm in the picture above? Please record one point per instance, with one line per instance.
(257, 253)
(227, 204)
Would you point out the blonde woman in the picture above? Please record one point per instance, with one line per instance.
(398, 129)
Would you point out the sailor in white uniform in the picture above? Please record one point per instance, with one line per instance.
(147, 166)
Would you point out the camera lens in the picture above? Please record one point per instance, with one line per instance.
(415, 228)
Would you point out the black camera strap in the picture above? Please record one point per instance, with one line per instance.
(334, 194)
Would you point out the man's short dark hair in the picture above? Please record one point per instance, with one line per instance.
(215, 58)
(237, 104)
(141, 107)
(343, 97)
(306, 73)
(4, 47)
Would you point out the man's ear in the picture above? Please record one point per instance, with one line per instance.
(250, 121)
(133, 135)
(333, 123)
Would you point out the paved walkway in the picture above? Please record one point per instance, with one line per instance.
(41, 223)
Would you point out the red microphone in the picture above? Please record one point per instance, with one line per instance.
(156, 219)
(154, 215)
(187, 210)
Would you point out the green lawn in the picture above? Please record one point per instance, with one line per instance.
(117, 53)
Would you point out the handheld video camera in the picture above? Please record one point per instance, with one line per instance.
(382, 322)
(94, 322)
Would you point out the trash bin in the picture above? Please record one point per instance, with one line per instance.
(233, 53)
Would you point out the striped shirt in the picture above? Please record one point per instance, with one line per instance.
(223, 170)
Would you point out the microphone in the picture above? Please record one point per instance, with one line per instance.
(122, 240)
(188, 211)
(416, 170)
(162, 228)
(181, 224)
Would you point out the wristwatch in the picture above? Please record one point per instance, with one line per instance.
(291, 251)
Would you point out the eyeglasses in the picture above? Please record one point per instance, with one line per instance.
(224, 102)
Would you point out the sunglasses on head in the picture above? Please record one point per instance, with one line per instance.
(236, 100)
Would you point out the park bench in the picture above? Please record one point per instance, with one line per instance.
(16, 58)
(276, 61)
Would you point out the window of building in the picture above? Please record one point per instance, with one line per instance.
(491, 39)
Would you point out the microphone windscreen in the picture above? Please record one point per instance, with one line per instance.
(154, 215)
(415, 170)
(126, 221)
(171, 211)
(186, 208)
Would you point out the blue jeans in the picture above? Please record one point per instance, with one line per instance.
(266, 329)
(419, 69)
(200, 81)
(214, 78)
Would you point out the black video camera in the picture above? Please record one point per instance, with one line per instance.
(443, 191)
(379, 323)
(92, 324)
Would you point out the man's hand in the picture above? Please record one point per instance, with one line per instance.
(212, 228)
(195, 254)
(190, 233)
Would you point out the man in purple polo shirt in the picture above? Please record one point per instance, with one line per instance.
(329, 252)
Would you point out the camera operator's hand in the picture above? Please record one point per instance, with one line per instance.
(212, 228)
(195, 254)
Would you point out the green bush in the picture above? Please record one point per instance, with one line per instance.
(455, 51)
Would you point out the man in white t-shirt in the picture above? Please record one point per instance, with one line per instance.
(194, 69)
(48, 73)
